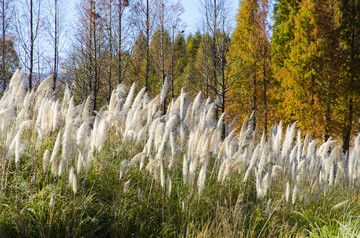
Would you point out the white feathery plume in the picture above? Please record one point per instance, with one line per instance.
(287, 191)
(277, 140)
(20, 94)
(88, 161)
(66, 100)
(152, 164)
(262, 162)
(331, 175)
(70, 111)
(159, 134)
(44, 86)
(61, 167)
(101, 134)
(341, 204)
(306, 143)
(46, 160)
(112, 103)
(252, 162)
(196, 105)
(137, 158)
(139, 194)
(184, 103)
(164, 91)
(220, 121)
(71, 176)
(173, 121)
(142, 134)
(201, 179)
(67, 142)
(56, 115)
(56, 149)
(293, 155)
(82, 134)
(86, 110)
(226, 171)
(294, 194)
(185, 169)
(122, 168)
(239, 161)
(169, 187)
(28, 100)
(129, 98)
(188, 116)
(300, 170)
(221, 170)
(80, 161)
(74, 184)
(127, 186)
(289, 137)
(299, 146)
(340, 172)
(192, 169)
(137, 101)
(162, 176)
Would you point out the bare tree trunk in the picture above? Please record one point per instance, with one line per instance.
(120, 43)
(55, 45)
(31, 44)
(254, 98)
(3, 46)
(265, 98)
(214, 52)
(147, 46)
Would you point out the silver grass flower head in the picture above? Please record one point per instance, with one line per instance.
(201, 180)
(139, 195)
(46, 160)
(185, 169)
(162, 175)
(127, 186)
(129, 98)
(287, 191)
(252, 162)
(164, 91)
(86, 110)
(339, 205)
(169, 187)
(294, 194)
(137, 158)
(74, 184)
(71, 176)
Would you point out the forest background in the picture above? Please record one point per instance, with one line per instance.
(288, 61)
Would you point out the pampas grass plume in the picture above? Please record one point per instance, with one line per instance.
(169, 187)
(46, 160)
(127, 186)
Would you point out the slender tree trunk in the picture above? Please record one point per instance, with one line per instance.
(111, 50)
(147, 46)
(56, 46)
(3, 46)
(120, 43)
(223, 87)
(254, 97)
(346, 145)
(265, 98)
(31, 44)
(215, 53)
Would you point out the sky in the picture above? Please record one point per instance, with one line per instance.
(192, 15)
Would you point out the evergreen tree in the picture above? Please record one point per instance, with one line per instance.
(248, 59)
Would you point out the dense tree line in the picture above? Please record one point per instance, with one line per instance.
(303, 65)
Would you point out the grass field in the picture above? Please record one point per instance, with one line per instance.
(131, 171)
